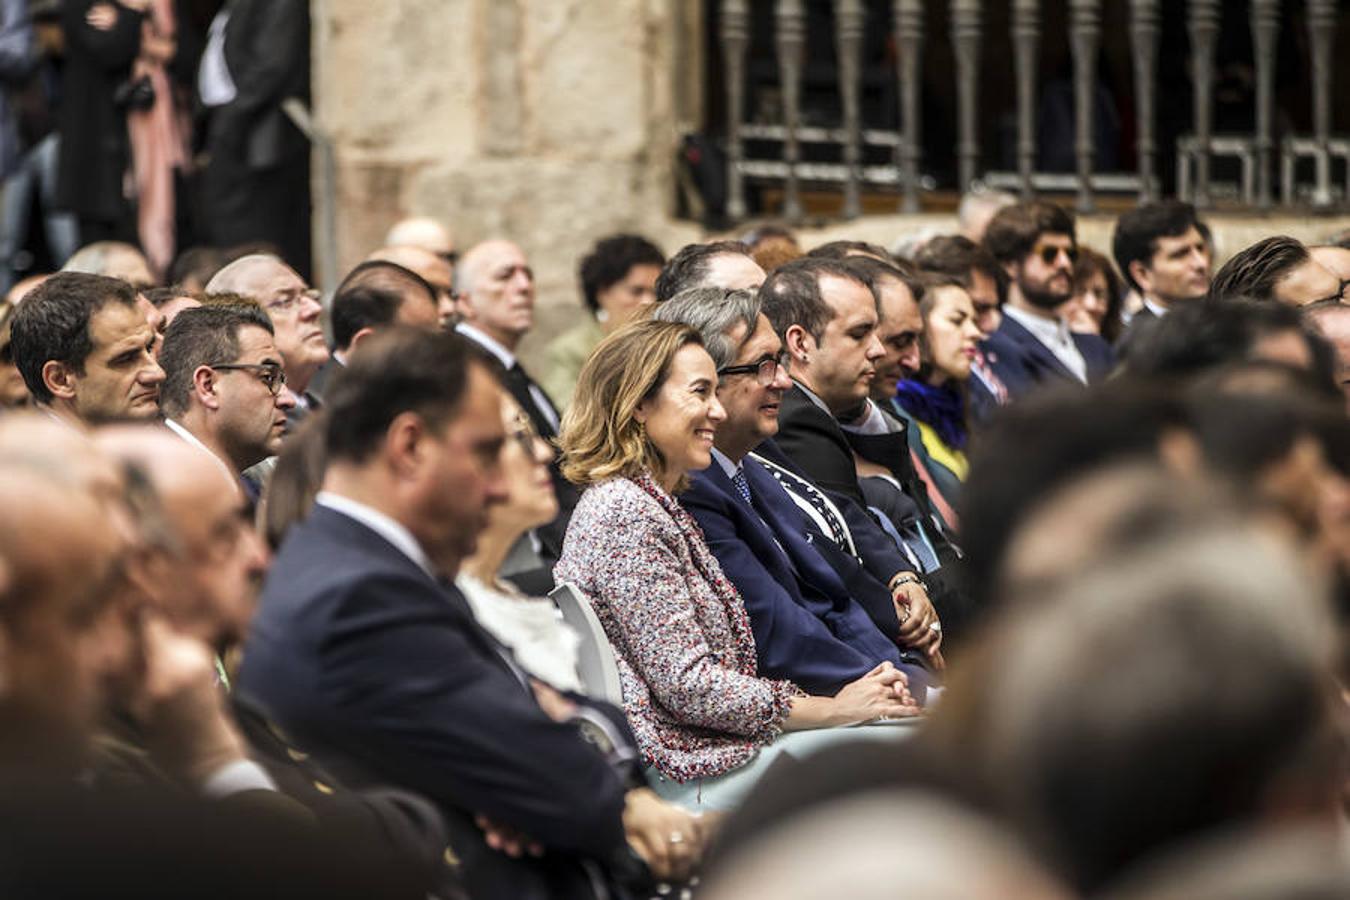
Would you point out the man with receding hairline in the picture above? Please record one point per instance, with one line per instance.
(435, 269)
(295, 312)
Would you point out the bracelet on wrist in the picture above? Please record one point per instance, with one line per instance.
(905, 578)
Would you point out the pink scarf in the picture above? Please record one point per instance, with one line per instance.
(158, 146)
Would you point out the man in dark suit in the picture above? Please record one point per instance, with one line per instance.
(827, 316)
(819, 617)
(257, 181)
(374, 295)
(1035, 243)
(496, 305)
(1163, 250)
(296, 315)
(367, 655)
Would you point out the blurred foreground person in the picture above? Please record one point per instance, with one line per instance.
(1278, 269)
(865, 847)
(369, 657)
(1205, 691)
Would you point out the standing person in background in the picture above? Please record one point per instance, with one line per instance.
(257, 179)
(102, 41)
(158, 133)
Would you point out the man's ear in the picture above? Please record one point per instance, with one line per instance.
(405, 443)
(204, 387)
(800, 343)
(1142, 276)
(1011, 269)
(60, 379)
(357, 338)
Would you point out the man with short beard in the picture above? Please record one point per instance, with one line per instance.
(1034, 242)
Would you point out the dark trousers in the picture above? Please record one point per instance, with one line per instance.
(244, 205)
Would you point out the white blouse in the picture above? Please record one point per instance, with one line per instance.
(543, 644)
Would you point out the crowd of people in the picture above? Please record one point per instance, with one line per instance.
(999, 567)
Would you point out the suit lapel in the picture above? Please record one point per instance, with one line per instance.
(1033, 348)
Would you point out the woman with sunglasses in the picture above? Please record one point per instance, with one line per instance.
(543, 645)
(934, 398)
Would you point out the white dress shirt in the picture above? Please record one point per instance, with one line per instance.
(1055, 335)
(508, 361)
(214, 83)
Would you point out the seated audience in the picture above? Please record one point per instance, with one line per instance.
(367, 655)
(819, 617)
(987, 284)
(424, 233)
(847, 249)
(1164, 254)
(645, 418)
(294, 310)
(1035, 242)
(86, 350)
(192, 269)
(170, 301)
(531, 627)
(224, 386)
(976, 209)
(723, 264)
(771, 244)
(113, 259)
(1098, 297)
(373, 296)
(934, 397)
(434, 269)
(1278, 269)
(618, 278)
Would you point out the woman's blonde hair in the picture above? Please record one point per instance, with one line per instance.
(600, 436)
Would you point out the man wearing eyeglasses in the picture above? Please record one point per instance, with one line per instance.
(296, 315)
(819, 616)
(1035, 243)
(224, 387)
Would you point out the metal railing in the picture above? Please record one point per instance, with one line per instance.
(1257, 152)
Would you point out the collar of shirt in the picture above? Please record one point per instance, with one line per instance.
(731, 468)
(873, 421)
(1154, 308)
(508, 359)
(811, 395)
(196, 442)
(1047, 331)
(383, 525)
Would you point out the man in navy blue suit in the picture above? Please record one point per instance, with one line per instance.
(371, 660)
(820, 617)
(1035, 243)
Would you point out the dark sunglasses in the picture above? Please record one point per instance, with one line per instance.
(766, 370)
(272, 377)
(1048, 254)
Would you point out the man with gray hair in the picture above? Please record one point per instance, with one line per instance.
(295, 312)
(819, 616)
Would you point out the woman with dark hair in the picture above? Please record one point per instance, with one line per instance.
(934, 398)
(1098, 295)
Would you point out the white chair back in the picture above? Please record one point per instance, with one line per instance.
(595, 657)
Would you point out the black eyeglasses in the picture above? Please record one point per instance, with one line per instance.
(766, 370)
(1049, 253)
(1339, 296)
(272, 377)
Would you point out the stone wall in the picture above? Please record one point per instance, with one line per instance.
(552, 122)
(546, 121)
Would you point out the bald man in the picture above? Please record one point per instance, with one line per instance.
(296, 314)
(435, 269)
(424, 232)
(113, 259)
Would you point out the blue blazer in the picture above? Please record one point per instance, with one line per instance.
(1024, 363)
(358, 653)
(807, 623)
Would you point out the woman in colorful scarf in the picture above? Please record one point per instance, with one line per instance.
(935, 396)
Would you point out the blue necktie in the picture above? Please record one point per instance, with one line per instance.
(742, 486)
